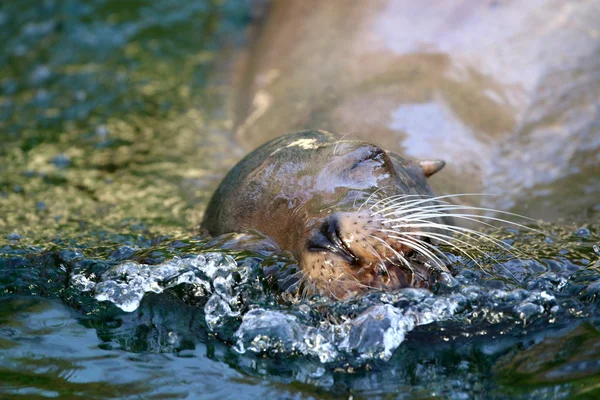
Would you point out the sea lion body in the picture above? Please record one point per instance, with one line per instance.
(505, 91)
(314, 194)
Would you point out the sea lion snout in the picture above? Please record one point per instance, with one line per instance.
(351, 252)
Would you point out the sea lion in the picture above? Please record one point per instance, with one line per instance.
(341, 207)
(505, 91)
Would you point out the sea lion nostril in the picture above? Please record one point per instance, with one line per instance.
(331, 230)
(328, 238)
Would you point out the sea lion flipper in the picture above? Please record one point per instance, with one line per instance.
(430, 167)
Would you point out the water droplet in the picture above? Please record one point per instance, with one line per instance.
(583, 232)
(40, 74)
(61, 161)
(82, 283)
(126, 284)
(102, 131)
(13, 236)
(527, 310)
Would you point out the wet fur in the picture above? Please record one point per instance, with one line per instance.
(355, 217)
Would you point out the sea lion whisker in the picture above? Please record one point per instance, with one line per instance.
(422, 247)
(448, 239)
(348, 277)
(397, 200)
(462, 231)
(425, 218)
(304, 285)
(338, 142)
(478, 218)
(310, 287)
(374, 194)
(417, 245)
(413, 242)
(453, 195)
(396, 253)
(454, 246)
(411, 207)
(409, 222)
(455, 229)
(405, 208)
(438, 199)
(296, 275)
(438, 236)
(399, 255)
(424, 198)
(366, 201)
(449, 207)
(331, 293)
(361, 284)
(341, 277)
(441, 212)
(376, 254)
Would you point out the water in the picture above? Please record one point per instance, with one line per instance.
(113, 133)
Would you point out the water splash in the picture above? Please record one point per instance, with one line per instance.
(126, 284)
(239, 309)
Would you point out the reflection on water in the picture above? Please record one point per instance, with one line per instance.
(578, 359)
(49, 350)
(113, 132)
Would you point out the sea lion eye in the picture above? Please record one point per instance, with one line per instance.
(356, 164)
(372, 156)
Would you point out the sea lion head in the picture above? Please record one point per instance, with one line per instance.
(340, 206)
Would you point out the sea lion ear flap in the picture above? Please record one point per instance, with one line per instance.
(430, 167)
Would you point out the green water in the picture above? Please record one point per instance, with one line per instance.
(114, 135)
(110, 119)
(109, 116)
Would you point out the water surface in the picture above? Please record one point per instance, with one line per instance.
(114, 135)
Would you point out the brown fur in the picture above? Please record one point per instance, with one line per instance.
(295, 187)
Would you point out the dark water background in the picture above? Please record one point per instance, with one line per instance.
(113, 135)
